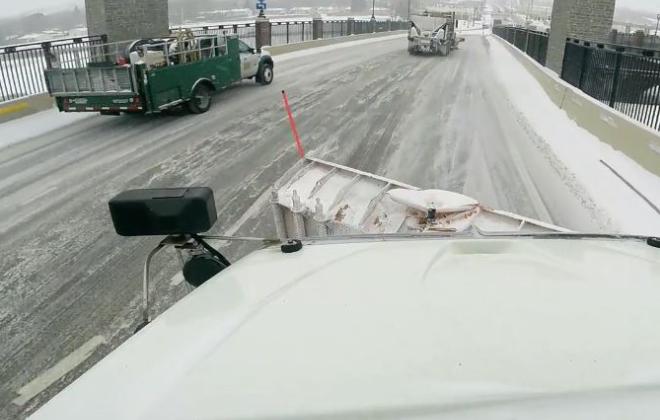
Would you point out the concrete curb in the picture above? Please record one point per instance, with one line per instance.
(25, 106)
(624, 134)
(283, 49)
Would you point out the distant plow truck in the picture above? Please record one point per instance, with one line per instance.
(433, 32)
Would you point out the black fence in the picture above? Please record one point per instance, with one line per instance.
(281, 32)
(534, 43)
(299, 31)
(627, 79)
(335, 28)
(21, 66)
(622, 77)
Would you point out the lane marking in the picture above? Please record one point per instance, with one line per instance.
(17, 107)
(61, 368)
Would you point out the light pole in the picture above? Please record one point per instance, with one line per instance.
(373, 10)
(529, 11)
(657, 25)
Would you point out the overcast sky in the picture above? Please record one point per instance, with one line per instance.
(633, 4)
(14, 7)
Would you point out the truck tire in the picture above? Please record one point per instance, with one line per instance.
(265, 74)
(200, 102)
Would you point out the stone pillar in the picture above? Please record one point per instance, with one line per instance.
(589, 20)
(123, 20)
(262, 32)
(317, 28)
(350, 26)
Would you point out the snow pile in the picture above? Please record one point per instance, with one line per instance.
(35, 125)
(607, 175)
(341, 45)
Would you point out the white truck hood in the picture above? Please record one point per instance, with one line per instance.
(456, 328)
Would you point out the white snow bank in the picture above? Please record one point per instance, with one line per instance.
(333, 47)
(34, 125)
(583, 153)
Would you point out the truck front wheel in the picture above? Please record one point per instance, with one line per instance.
(201, 99)
(265, 74)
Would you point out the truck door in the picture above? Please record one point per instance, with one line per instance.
(249, 60)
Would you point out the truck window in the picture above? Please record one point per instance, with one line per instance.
(243, 47)
(206, 47)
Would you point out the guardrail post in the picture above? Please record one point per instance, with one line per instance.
(350, 26)
(287, 32)
(585, 54)
(617, 70)
(515, 31)
(262, 32)
(45, 46)
(317, 28)
(302, 36)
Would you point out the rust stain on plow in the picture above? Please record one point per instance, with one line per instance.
(341, 213)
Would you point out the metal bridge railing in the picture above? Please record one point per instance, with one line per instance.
(625, 78)
(22, 66)
(622, 77)
(534, 43)
(302, 30)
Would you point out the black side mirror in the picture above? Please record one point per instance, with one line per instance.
(163, 211)
(179, 213)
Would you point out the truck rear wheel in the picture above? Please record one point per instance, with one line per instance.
(201, 99)
(265, 74)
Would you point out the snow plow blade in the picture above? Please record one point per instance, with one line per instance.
(316, 198)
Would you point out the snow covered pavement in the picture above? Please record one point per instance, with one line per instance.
(427, 121)
(624, 197)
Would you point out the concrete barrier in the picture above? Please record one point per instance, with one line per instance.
(25, 106)
(624, 134)
(287, 48)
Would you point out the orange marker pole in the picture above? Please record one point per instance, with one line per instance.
(292, 123)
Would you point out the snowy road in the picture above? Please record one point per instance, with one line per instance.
(67, 278)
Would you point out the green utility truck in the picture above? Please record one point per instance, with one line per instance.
(152, 76)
